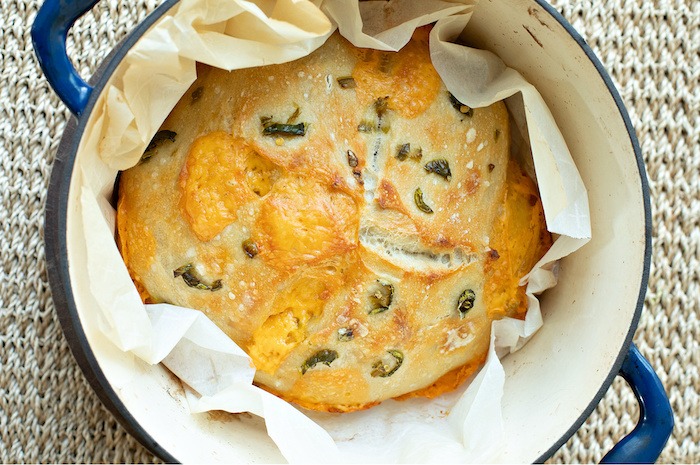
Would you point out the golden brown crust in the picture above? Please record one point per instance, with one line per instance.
(447, 382)
(519, 240)
(342, 260)
(133, 234)
(310, 403)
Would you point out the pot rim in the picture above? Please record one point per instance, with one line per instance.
(55, 238)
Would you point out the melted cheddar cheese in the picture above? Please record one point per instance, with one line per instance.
(407, 77)
(302, 222)
(211, 193)
(286, 327)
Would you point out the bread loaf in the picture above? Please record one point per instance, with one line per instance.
(343, 218)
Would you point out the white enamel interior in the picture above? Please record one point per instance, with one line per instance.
(587, 315)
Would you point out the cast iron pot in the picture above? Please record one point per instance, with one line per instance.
(554, 382)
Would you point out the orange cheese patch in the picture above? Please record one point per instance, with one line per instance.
(286, 327)
(304, 222)
(407, 77)
(210, 183)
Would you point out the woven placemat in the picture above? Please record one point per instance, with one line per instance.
(48, 413)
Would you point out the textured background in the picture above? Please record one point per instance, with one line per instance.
(48, 413)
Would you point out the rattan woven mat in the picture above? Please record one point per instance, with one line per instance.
(48, 413)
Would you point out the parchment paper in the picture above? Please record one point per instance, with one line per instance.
(460, 427)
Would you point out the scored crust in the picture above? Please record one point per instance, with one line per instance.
(343, 218)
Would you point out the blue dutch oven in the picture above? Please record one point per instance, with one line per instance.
(590, 316)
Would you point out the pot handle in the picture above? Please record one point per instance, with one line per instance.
(645, 442)
(51, 25)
